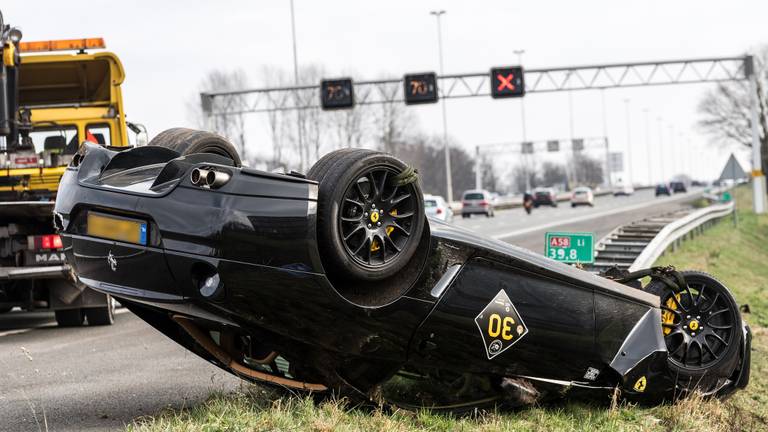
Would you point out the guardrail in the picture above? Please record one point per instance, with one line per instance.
(676, 231)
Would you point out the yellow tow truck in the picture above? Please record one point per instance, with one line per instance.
(54, 95)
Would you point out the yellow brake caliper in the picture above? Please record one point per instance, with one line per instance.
(375, 244)
(668, 317)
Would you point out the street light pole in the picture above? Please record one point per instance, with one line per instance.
(672, 149)
(520, 53)
(648, 147)
(629, 145)
(522, 100)
(758, 176)
(448, 180)
(605, 137)
(296, 82)
(662, 153)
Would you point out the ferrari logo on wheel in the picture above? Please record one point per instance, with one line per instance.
(500, 325)
(640, 384)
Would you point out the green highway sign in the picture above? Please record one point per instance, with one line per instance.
(569, 247)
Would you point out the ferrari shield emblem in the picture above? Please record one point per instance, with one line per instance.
(640, 384)
(500, 325)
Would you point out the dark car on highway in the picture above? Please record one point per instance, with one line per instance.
(663, 189)
(678, 187)
(544, 196)
(336, 282)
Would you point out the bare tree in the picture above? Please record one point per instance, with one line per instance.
(351, 127)
(553, 174)
(586, 170)
(725, 111)
(230, 126)
(393, 123)
(490, 179)
(278, 122)
(523, 171)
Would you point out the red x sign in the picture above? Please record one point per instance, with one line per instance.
(507, 82)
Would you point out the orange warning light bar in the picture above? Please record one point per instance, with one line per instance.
(62, 45)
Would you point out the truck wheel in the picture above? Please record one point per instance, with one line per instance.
(370, 213)
(70, 317)
(702, 331)
(190, 141)
(102, 315)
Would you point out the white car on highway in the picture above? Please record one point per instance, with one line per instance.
(436, 207)
(582, 196)
(623, 189)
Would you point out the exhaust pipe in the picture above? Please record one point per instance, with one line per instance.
(216, 179)
(198, 176)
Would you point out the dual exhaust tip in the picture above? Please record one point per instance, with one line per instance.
(209, 178)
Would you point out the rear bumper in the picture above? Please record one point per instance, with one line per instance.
(476, 210)
(256, 218)
(41, 272)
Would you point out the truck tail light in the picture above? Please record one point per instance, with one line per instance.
(48, 241)
(439, 211)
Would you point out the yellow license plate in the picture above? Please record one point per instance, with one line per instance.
(117, 228)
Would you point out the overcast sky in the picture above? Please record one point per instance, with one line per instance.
(168, 46)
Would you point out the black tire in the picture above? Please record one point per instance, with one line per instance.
(464, 215)
(712, 306)
(103, 315)
(70, 317)
(573, 205)
(190, 141)
(351, 183)
(5, 310)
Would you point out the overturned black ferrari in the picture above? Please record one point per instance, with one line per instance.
(336, 282)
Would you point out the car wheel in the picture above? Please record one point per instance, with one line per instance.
(702, 331)
(103, 315)
(370, 213)
(69, 317)
(190, 141)
(573, 205)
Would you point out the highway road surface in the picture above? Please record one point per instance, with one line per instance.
(102, 378)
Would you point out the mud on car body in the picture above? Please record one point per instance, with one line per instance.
(336, 282)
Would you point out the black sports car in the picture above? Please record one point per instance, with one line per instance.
(336, 282)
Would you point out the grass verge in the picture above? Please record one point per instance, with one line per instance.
(736, 256)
